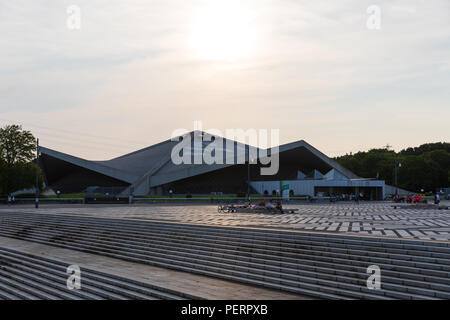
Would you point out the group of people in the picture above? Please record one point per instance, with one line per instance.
(270, 205)
(11, 199)
(277, 206)
(417, 198)
(344, 197)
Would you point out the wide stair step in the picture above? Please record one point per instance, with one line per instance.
(318, 265)
(25, 276)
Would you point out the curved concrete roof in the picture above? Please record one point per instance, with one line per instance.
(152, 166)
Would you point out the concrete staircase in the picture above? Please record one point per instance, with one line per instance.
(25, 276)
(317, 265)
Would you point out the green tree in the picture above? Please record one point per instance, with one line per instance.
(16, 145)
(17, 170)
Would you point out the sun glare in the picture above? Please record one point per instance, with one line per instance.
(223, 31)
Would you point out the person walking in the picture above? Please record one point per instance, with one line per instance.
(437, 199)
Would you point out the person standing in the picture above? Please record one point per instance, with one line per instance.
(437, 199)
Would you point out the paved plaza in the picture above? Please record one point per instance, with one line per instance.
(372, 218)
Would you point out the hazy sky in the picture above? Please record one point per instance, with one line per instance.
(136, 70)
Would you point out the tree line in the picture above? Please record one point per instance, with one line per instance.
(426, 167)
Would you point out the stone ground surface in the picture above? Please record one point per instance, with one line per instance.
(369, 218)
(195, 285)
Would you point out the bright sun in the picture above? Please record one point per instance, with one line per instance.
(223, 31)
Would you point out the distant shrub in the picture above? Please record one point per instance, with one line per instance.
(25, 195)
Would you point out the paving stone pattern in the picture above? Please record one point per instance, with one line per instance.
(372, 218)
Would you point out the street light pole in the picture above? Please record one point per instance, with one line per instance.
(36, 200)
(248, 181)
(248, 177)
(396, 175)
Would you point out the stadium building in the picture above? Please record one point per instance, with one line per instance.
(151, 171)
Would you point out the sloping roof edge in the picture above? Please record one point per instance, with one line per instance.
(90, 165)
(320, 155)
(137, 180)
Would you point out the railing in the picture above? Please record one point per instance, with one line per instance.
(178, 199)
(64, 200)
(170, 199)
(213, 199)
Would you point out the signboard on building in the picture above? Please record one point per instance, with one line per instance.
(285, 190)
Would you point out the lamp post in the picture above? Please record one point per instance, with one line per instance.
(248, 180)
(36, 200)
(248, 177)
(397, 165)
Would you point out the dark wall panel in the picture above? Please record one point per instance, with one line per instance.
(69, 178)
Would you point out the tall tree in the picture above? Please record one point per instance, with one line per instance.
(16, 145)
(17, 170)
